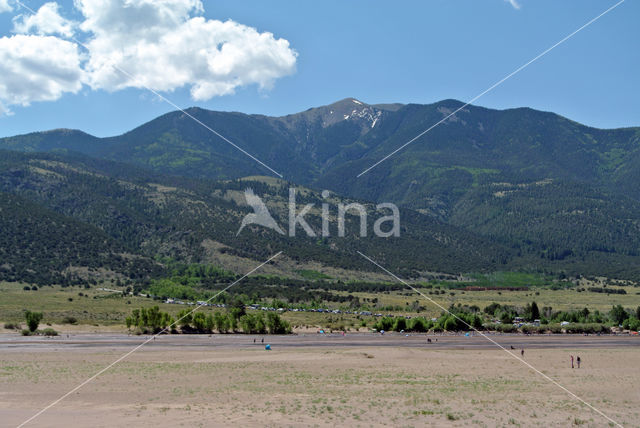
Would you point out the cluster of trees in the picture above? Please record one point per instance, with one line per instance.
(228, 322)
(530, 312)
(627, 318)
(464, 318)
(418, 324)
(618, 315)
(507, 313)
(149, 320)
(583, 316)
(235, 319)
(460, 319)
(152, 320)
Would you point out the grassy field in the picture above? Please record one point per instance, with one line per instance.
(94, 307)
(106, 309)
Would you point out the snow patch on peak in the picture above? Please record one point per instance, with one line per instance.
(365, 113)
(356, 101)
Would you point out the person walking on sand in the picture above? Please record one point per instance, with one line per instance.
(522, 352)
(578, 361)
(571, 361)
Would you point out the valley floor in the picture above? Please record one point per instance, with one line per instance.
(359, 380)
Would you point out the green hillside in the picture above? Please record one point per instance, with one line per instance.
(41, 247)
(190, 220)
(506, 189)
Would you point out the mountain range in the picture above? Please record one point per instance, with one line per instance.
(485, 190)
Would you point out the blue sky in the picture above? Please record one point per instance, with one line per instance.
(413, 51)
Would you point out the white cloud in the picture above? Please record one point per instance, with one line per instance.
(514, 3)
(161, 44)
(5, 6)
(37, 68)
(163, 48)
(46, 21)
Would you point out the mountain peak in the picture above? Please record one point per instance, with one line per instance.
(349, 109)
(347, 102)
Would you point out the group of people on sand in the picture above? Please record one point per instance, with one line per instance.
(577, 359)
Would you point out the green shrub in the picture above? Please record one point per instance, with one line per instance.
(26, 332)
(49, 332)
(384, 323)
(33, 320)
(450, 324)
(69, 320)
(185, 317)
(253, 324)
(554, 328)
(222, 322)
(400, 324)
(12, 326)
(530, 329)
(276, 325)
(506, 328)
(420, 325)
(200, 323)
(591, 328)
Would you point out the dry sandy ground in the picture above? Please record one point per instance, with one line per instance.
(318, 387)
